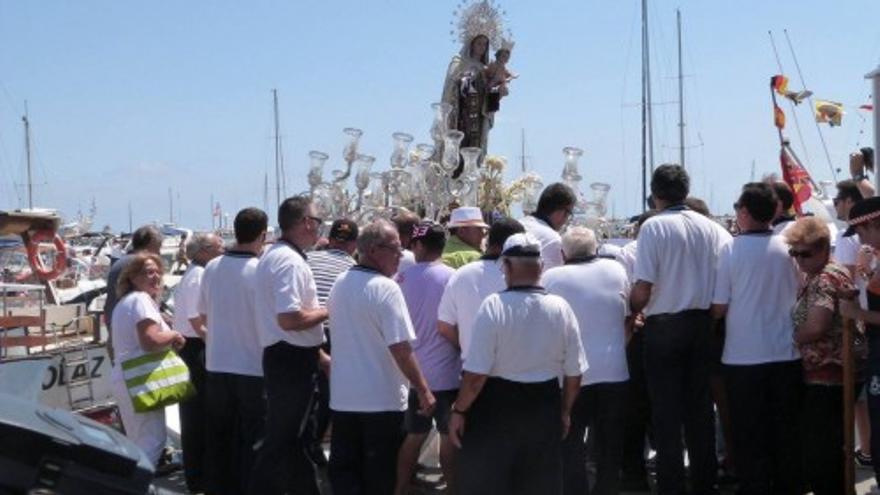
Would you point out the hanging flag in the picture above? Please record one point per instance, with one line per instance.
(779, 83)
(217, 210)
(778, 117)
(828, 112)
(797, 178)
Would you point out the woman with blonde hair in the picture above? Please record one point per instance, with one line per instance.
(138, 329)
(819, 338)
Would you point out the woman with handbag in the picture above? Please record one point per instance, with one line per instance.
(141, 342)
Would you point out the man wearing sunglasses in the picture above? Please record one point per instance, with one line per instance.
(755, 287)
(289, 320)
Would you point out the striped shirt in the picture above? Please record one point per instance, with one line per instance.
(326, 265)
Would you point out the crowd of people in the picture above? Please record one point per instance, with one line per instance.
(547, 361)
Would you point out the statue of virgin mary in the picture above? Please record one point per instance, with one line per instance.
(465, 88)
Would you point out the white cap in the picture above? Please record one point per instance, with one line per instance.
(466, 216)
(522, 245)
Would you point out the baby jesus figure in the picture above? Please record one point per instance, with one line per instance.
(497, 76)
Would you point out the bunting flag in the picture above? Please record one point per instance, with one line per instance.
(797, 178)
(828, 112)
(779, 83)
(867, 107)
(778, 117)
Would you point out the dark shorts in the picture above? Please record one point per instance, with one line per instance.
(415, 423)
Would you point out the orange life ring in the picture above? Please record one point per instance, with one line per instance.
(36, 262)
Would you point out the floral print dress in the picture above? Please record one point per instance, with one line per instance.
(822, 358)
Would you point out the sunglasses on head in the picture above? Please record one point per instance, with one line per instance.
(794, 253)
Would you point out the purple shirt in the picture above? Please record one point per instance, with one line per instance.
(422, 285)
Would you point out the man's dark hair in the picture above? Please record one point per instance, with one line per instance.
(783, 194)
(405, 221)
(144, 237)
(556, 196)
(431, 235)
(849, 189)
(249, 224)
(641, 219)
(868, 154)
(759, 200)
(670, 183)
(292, 210)
(501, 229)
(697, 205)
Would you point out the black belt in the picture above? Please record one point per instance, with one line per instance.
(659, 318)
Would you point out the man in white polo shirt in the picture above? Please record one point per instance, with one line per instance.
(755, 289)
(555, 207)
(470, 284)
(509, 415)
(675, 276)
(235, 404)
(598, 292)
(289, 319)
(200, 248)
(373, 367)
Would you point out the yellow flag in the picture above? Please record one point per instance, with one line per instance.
(828, 112)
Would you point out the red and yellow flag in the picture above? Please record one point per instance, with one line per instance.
(779, 83)
(797, 178)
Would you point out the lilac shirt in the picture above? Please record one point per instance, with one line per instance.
(422, 285)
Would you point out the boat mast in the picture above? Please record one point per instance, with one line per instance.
(680, 94)
(27, 153)
(647, 131)
(277, 148)
(170, 206)
(523, 151)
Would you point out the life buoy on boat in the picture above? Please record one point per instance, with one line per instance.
(36, 262)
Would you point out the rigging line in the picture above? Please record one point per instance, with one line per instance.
(810, 100)
(797, 123)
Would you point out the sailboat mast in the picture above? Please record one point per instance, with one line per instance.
(523, 151)
(648, 100)
(644, 107)
(27, 154)
(680, 93)
(170, 206)
(277, 149)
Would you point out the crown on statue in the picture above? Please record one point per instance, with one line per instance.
(480, 18)
(506, 44)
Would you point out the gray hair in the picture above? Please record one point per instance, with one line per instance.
(198, 242)
(579, 242)
(374, 234)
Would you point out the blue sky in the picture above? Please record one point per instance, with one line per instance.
(129, 99)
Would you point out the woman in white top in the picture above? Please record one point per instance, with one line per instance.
(137, 329)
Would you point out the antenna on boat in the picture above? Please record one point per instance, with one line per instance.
(680, 94)
(27, 152)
